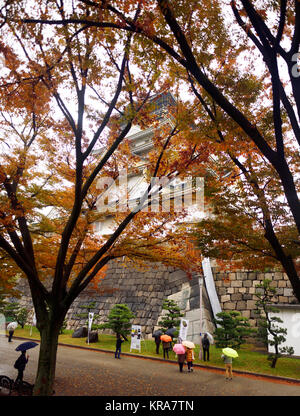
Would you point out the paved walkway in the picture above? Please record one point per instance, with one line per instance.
(82, 372)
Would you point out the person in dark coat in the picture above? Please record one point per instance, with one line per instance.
(181, 359)
(205, 347)
(11, 329)
(157, 342)
(20, 365)
(10, 335)
(118, 346)
(166, 347)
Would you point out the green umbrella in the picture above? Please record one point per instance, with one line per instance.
(230, 352)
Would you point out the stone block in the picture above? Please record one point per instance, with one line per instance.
(253, 314)
(80, 333)
(259, 290)
(194, 302)
(225, 298)
(230, 290)
(283, 299)
(278, 276)
(241, 305)
(236, 296)
(247, 296)
(247, 283)
(269, 276)
(219, 276)
(242, 290)
(232, 276)
(193, 314)
(229, 306)
(288, 292)
(251, 304)
(251, 276)
(282, 283)
(245, 314)
(222, 276)
(93, 337)
(236, 283)
(192, 292)
(260, 276)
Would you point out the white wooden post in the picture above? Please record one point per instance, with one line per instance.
(201, 317)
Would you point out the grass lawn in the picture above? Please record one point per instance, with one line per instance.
(249, 359)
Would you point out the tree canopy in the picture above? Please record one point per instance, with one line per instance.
(76, 77)
(65, 93)
(239, 60)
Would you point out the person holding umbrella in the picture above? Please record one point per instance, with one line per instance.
(166, 339)
(228, 355)
(156, 335)
(205, 347)
(179, 349)
(189, 354)
(11, 329)
(20, 365)
(21, 362)
(190, 359)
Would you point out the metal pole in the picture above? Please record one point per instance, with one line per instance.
(200, 292)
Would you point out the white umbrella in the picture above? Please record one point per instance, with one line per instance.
(12, 326)
(210, 338)
(188, 344)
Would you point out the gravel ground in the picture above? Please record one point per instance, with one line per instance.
(82, 372)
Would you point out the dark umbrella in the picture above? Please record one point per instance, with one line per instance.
(26, 346)
(171, 332)
(157, 333)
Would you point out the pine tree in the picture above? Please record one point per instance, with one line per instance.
(232, 330)
(171, 319)
(268, 324)
(119, 320)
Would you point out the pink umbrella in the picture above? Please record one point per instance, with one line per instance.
(179, 349)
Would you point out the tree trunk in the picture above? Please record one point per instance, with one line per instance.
(285, 260)
(47, 360)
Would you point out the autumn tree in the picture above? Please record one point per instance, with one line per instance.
(66, 92)
(249, 226)
(220, 60)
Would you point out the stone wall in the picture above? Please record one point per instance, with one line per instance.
(144, 291)
(188, 299)
(237, 290)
